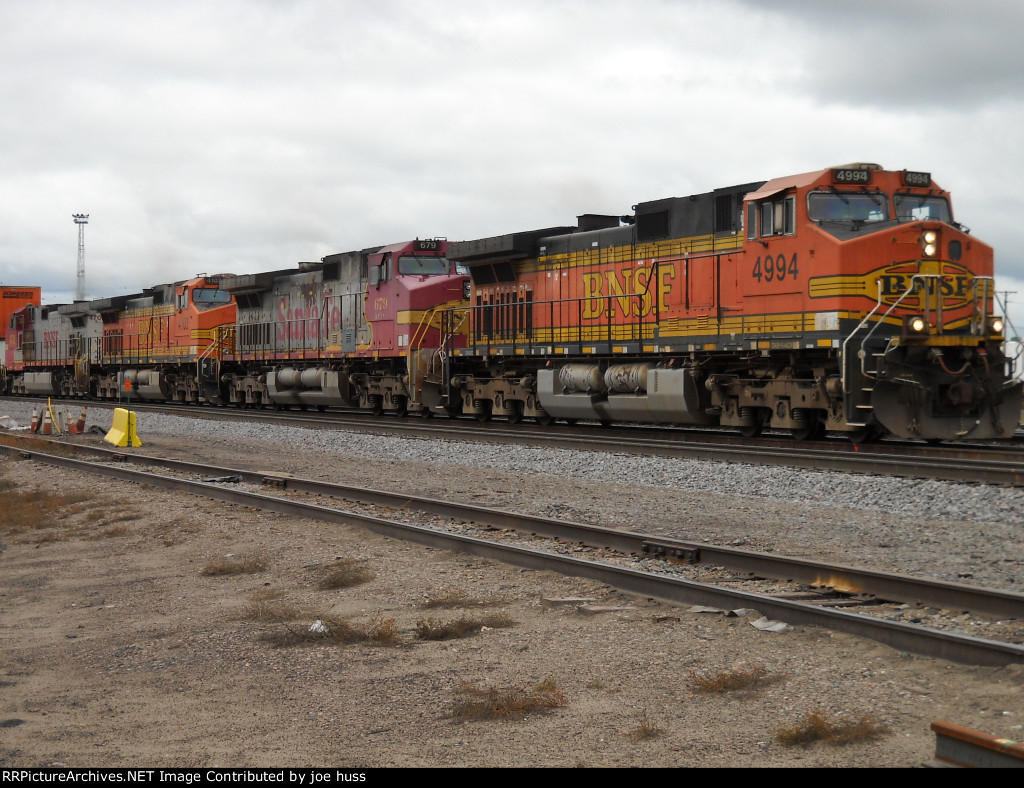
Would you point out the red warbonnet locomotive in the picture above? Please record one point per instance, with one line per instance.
(846, 299)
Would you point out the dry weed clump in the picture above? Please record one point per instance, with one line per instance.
(335, 631)
(275, 611)
(432, 629)
(514, 703)
(732, 680)
(236, 565)
(48, 516)
(345, 573)
(815, 726)
(647, 729)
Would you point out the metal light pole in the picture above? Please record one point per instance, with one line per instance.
(81, 219)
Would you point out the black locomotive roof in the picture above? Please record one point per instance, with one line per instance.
(671, 217)
(513, 246)
(254, 283)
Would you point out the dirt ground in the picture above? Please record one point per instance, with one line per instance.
(123, 642)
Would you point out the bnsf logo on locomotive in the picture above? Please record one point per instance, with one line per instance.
(627, 291)
(894, 281)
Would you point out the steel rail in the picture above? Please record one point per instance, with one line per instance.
(904, 461)
(956, 745)
(912, 638)
(909, 461)
(845, 579)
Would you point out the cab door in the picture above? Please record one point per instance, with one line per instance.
(382, 301)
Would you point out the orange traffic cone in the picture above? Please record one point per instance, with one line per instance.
(80, 424)
(47, 424)
(35, 420)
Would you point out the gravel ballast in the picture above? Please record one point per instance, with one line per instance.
(161, 650)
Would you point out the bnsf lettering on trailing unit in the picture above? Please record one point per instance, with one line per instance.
(626, 292)
(18, 294)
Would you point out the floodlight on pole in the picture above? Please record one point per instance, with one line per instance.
(81, 219)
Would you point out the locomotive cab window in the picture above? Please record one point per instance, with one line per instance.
(381, 273)
(845, 206)
(207, 297)
(422, 266)
(916, 207)
(778, 217)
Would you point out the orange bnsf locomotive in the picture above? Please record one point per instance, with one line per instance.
(148, 341)
(846, 299)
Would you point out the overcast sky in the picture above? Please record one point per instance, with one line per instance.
(234, 136)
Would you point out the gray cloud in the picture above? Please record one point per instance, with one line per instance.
(920, 55)
(244, 136)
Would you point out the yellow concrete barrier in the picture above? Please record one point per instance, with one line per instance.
(123, 433)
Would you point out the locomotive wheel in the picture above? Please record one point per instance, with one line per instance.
(868, 434)
(401, 407)
(516, 415)
(811, 432)
(546, 420)
(755, 429)
(484, 417)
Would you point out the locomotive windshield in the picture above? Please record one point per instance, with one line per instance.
(915, 207)
(206, 297)
(422, 266)
(837, 206)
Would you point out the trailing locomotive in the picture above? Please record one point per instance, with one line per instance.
(846, 299)
(357, 329)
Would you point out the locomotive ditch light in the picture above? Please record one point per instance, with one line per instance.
(914, 326)
(930, 243)
(995, 325)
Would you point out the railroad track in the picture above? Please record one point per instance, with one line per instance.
(988, 465)
(823, 588)
(956, 745)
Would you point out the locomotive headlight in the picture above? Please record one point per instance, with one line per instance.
(930, 243)
(995, 325)
(467, 289)
(914, 326)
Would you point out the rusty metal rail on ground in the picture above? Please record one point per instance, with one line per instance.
(912, 638)
(956, 745)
